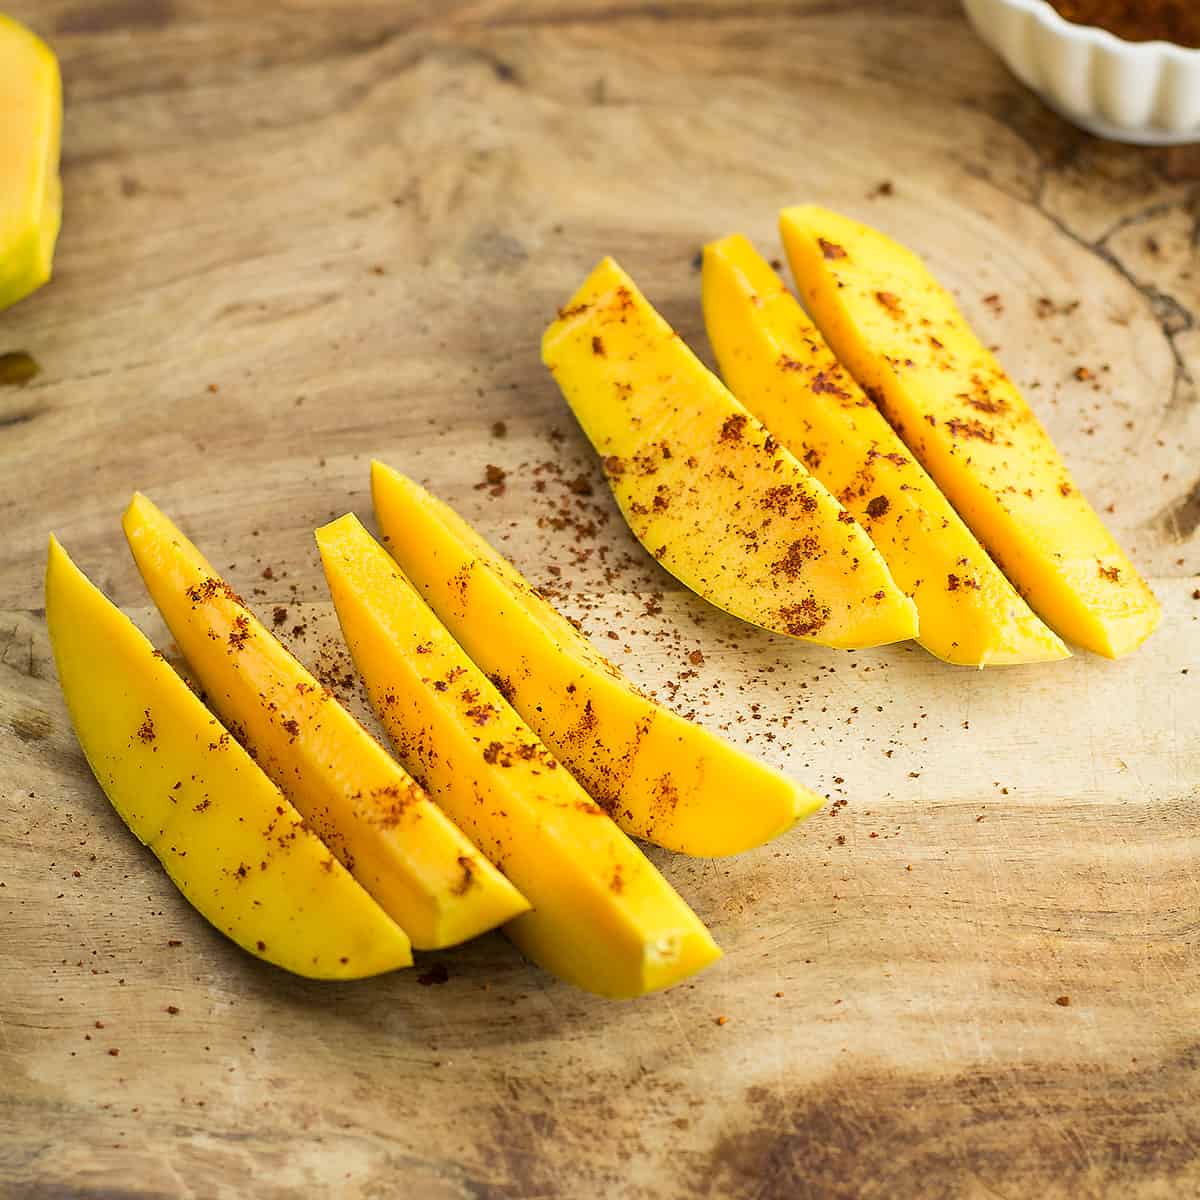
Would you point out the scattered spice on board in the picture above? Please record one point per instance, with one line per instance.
(573, 562)
(493, 480)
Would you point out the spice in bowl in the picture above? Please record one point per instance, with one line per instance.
(1175, 21)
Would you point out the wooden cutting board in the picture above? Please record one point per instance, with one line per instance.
(332, 230)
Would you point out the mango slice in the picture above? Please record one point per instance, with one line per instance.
(379, 823)
(658, 776)
(30, 132)
(778, 365)
(902, 337)
(230, 842)
(603, 918)
(705, 488)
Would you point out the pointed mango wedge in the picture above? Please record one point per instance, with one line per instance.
(778, 365)
(377, 820)
(705, 488)
(902, 336)
(658, 776)
(603, 918)
(30, 192)
(236, 849)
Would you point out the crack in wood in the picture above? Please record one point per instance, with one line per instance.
(1172, 316)
(12, 420)
(1181, 518)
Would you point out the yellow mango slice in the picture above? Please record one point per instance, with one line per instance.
(230, 842)
(603, 918)
(705, 488)
(901, 335)
(780, 367)
(377, 820)
(658, 776)
(30, 132)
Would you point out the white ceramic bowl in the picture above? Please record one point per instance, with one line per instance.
(1145, 92)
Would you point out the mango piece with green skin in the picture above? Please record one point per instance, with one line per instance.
(705, 488)
(376, 819)
(231, 843)
(777, 363)
(660, 777)
(603, 917)
(30, 133)
(901, 335)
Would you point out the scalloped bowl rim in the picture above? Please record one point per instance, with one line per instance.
(1049, 16)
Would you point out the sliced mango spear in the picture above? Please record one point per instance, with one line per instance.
(705, 488)
(658, 776)
(231, 843)
(603, 918)
(377, 820)
(30, 130)
(902, 336)
(780, 367)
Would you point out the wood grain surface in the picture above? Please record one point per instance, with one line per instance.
(298, 235)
